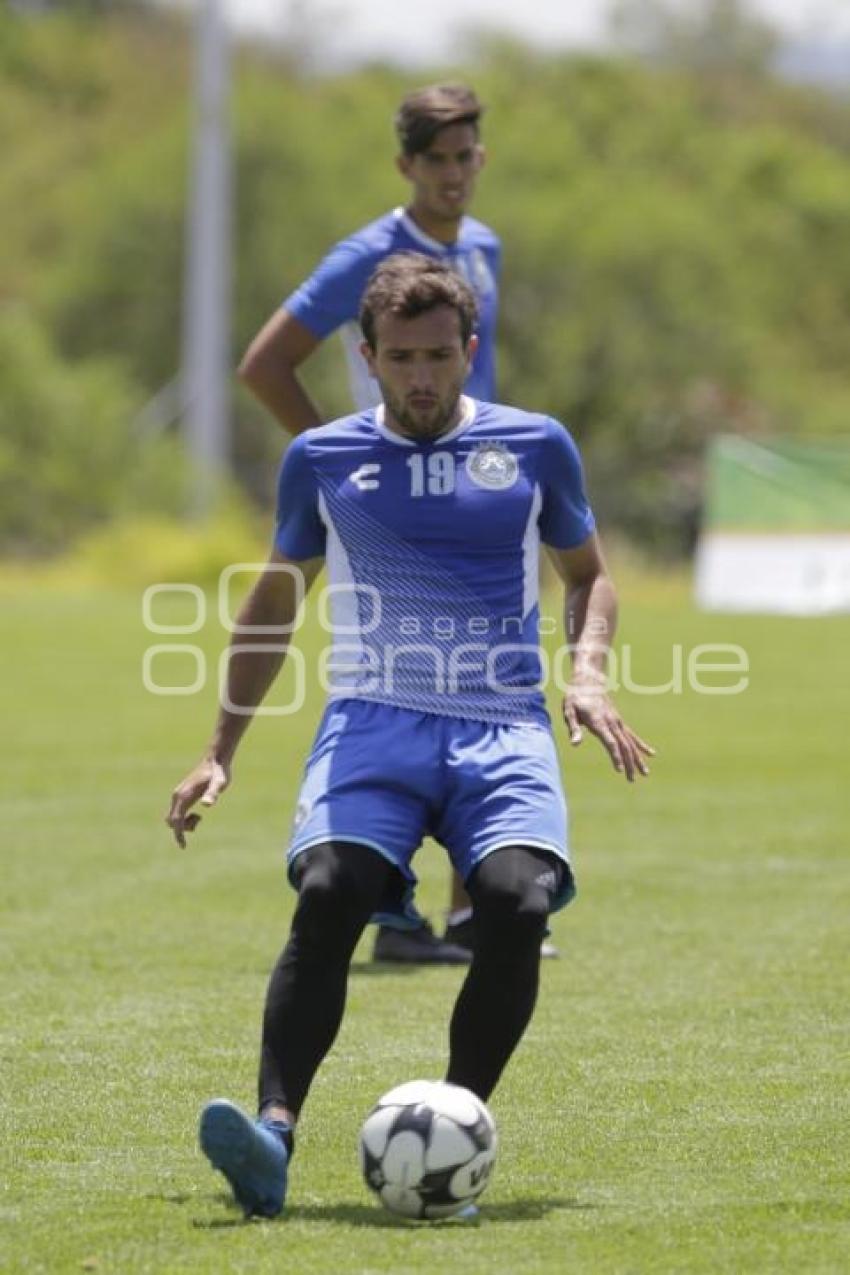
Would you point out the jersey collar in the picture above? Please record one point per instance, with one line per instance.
(466, 419)
(434, 246)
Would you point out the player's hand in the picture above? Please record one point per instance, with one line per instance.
(587, 704)
(205, 783)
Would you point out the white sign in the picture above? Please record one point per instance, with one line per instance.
(786, 574)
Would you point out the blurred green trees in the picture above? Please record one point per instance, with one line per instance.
(67, 457)
(677, 259)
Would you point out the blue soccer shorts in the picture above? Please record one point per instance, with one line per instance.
(386, 777)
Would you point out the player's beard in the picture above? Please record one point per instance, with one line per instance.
(424, 423)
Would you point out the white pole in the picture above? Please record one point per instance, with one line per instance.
(206, 336)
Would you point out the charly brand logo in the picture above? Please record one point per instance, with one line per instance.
(366, 477)
(492, 466)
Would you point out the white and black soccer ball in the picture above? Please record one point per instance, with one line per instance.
(427, 1149)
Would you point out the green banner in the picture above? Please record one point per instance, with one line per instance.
(778, 485)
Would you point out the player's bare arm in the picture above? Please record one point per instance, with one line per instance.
(590, 621)
(255, 659)
(268, 370)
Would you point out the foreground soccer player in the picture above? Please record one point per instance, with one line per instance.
(429, 510)
(440, 156)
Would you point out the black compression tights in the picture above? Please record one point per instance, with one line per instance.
(511, 892)
(340, 885)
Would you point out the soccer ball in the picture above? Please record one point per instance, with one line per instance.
(427, 1149)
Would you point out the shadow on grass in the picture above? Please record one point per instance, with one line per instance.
(233, 1215)
(528, 1209)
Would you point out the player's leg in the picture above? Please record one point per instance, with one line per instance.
(339, 885)
(513, 890)
(361, 813)
(504, 822)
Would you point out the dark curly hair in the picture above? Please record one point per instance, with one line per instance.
(408, 284)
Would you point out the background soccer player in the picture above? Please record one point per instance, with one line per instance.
(434, 507)
(441, 156)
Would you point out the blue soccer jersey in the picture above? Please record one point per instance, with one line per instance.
(330, 298)
(432, 552)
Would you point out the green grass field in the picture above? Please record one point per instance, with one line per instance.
(680, 1103)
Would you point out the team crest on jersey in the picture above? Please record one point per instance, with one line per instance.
(492, 466)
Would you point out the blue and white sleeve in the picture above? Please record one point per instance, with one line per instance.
(566, 519)
(331, 296)
(299, 530)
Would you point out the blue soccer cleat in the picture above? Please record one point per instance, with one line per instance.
(251, 1155)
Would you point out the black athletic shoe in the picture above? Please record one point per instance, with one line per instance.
(417, 947)
(460, 935)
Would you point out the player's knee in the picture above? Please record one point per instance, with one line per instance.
(321, 901)
(510, 916)
(511, 900)
(333, 894)
(518, 909)
(325, 895)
